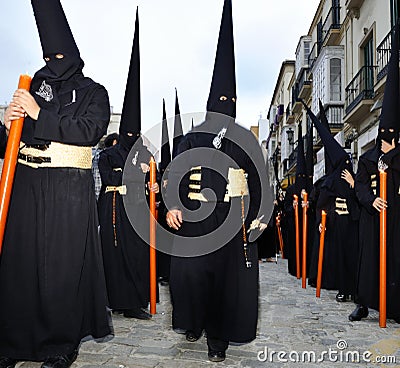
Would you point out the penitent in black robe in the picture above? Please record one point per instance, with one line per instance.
(126, 254)
(341, 236)
(215, 292)
(52, 286)
(367, 189)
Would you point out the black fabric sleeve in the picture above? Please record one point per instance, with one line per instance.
(109, 177)
(3, 140)
(362, 185)
(82, 130)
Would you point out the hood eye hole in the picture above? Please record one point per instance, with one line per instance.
(223, 98)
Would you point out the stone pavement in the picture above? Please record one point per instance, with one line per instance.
(292, 321)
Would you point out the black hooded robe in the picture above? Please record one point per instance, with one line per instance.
(125, 253)
(216, 292)
(52, 286)
(367, 181)
(341, 235)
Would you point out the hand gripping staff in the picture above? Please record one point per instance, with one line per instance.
(10, 161)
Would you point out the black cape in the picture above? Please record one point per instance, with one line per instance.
(52, 285)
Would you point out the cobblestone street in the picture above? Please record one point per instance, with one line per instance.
(291, 320)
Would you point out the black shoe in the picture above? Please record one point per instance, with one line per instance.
(216, 356)
(191, 336)
(341, 298)
(7, 362)
(358, 313)
(137, 313)
(61, 361)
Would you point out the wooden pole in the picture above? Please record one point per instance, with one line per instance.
(296, 220)
(304, 265)
(10, 162)
(153, 266)
(382, 247)
(278, 226)
(321, 253)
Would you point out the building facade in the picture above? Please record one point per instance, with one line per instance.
(341, 62)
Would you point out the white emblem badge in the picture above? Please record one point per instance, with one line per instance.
(134, 160)
(218, 139)
(45, 92)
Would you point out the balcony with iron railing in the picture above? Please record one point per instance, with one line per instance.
(331, 26)
(383, 52)
(304, 84)
(289, 115)
(334, 115)
(360, 94)
(312, 57)
(296, 104)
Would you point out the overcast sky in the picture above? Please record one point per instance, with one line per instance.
(178, 40)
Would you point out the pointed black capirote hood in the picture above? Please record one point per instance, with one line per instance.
(222, 97)
(301, 171)
(310, 157)
(390, 113)
(324, 120)
(301, 162)
(165, 147)
(178, 131)
(333, 149)
(54, 31)
(56, 38)
(131, 113)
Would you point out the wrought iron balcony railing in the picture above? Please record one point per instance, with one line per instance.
(383, 55)
(332, 21)
(361, 87)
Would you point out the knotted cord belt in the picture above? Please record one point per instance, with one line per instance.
(122, 191)
(248, 263)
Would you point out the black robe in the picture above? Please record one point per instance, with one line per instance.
(341, 236)
(367, 189)
(268, 242)
(215, 292)
(125, 253)
(52, 286)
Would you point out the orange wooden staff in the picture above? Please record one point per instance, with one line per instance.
(10, 161)
(304, 265)
(321, 253)
(153, 266)
(296, 221)
(278, 226)
(382, 255)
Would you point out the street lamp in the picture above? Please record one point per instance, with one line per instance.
(290, 136)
